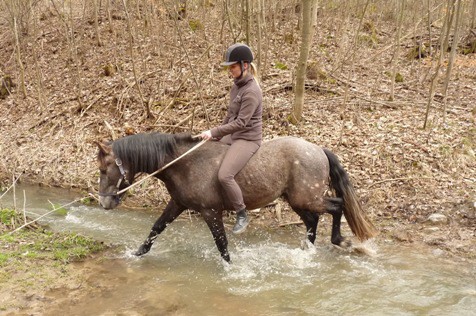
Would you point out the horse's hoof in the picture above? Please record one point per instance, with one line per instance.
(143, 249)
(345, 243)
(226, 257)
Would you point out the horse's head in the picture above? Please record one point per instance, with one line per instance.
(113, 176)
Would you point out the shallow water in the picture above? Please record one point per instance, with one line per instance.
(271, 274)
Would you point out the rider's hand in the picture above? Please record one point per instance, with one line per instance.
(206, 135)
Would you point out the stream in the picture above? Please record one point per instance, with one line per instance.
(270, 274)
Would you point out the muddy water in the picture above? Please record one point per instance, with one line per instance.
(271, 274)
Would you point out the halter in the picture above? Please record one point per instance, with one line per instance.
(119, 182)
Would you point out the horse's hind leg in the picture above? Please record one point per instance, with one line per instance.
(214, 221)
(334, 206)
(171, 212)
(311, 220)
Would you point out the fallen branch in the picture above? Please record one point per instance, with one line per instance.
(397, 179)
(291, 223)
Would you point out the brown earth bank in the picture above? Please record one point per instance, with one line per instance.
(412, 162)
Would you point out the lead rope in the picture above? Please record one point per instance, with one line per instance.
(164, 167)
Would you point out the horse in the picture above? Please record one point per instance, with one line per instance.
(289, 167)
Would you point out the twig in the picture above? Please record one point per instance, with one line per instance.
(291, 223)
(11, 186)
(83, 111)
(398, 179)
(278, 212)
(93, 196)
(113, 134)
(24, 205)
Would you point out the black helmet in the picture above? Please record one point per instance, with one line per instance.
(237, 53)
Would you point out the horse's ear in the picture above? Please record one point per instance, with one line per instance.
(104, 147)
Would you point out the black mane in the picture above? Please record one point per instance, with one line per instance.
(147, 152)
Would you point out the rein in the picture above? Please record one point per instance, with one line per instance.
(123, 173)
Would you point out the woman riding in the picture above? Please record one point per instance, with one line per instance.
(241, 127)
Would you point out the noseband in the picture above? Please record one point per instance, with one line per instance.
(119, 182)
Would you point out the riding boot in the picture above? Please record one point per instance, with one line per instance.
(242, 221)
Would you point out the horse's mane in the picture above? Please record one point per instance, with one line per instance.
(147, 152)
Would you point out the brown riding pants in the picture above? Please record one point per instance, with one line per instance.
(236, 157)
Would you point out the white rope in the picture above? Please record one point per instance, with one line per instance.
(164, 167)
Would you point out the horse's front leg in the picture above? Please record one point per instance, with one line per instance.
(214, 221)
(171, 212)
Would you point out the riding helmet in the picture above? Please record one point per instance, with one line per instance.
(237, 53)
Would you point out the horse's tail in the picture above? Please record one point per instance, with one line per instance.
(353, 212)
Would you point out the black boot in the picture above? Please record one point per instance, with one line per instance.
(242, 221)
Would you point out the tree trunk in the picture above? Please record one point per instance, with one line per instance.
(309, 19)
(144, 104)
(96, 22)
(248, 21)
(442, 47)
(396, 51)
(473, 15)
(259, 26)
(19, 61)
(454, 47)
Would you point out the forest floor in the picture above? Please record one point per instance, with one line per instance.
(418, 185)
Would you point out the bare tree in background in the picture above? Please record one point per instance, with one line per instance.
(309, 19)
(473, 15)
(454, 48)
(396, 51)
(148, 114)
(247, 7)
(96, 22)
(19, 15)
(443, 45)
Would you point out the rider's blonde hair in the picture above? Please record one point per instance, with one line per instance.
(254, 72)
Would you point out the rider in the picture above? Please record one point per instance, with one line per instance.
(241, 127)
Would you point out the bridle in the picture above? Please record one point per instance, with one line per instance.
(122, 179)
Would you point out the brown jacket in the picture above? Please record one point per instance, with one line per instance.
(244, 117)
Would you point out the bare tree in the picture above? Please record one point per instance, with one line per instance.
(134, 70)
(473, 15)
(248, 8)
(309, 18)
(396, 51)
(454, 47)
(19, 12)
(18, 55)
(96, 22)
(443, 45)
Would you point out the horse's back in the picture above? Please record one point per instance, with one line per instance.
(282, 166)
(293, 150)
(288, 166)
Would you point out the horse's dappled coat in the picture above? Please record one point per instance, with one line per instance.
(287, 167)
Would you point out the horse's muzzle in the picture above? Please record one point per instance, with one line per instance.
(109, 202)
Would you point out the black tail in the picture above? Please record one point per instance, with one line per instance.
(353, 212)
